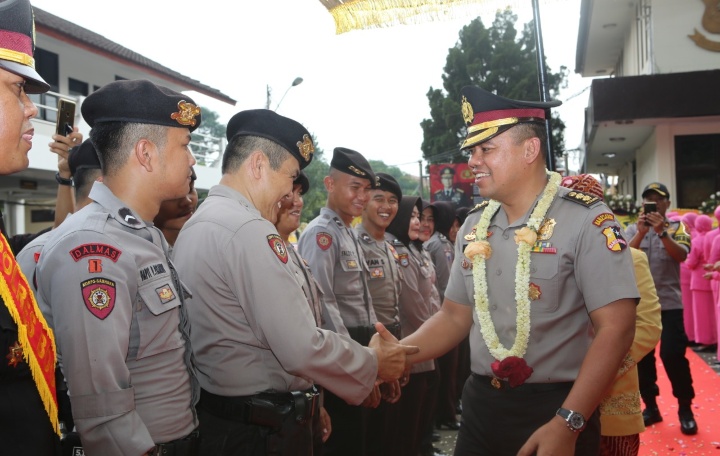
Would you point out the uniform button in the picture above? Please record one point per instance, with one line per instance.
(506, 236)
(498, 272)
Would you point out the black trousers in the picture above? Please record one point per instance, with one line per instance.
(349, 427)
(416, 407)
(24, 425)
(498, 422)
(673, 345)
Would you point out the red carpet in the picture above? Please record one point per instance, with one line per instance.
(665, 438)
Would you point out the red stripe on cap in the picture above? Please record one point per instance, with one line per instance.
(18, 42)
(488, 116)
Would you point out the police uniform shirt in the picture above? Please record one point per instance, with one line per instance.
(416, 304)
(339, 267)
(665, 271)
(115, 309)
(442, 252)
(579, 264)
(307, 282)
(28, 258)
(252, 329)
(384, 278)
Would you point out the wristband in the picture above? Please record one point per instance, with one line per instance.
(63, 181)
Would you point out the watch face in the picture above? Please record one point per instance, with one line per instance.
(576, 420)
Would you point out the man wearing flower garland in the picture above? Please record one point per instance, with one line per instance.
(534, 267)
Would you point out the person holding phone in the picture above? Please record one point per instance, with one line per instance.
(667, 245)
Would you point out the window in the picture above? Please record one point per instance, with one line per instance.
(46, 64)
(697, 164)
(77, 88)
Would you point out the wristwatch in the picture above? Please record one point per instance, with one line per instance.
(663, 234)
(63, 181)
(574, 420)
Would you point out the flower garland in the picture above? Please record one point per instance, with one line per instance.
(525, 238)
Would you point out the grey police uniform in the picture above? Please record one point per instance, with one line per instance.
(338, 264)
(309, 285)
(580, 264)
(252, 329)
(105, 283)
(442, 252)
(384, 280)
(28, 257)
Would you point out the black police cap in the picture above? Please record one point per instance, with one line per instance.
(264, 123)
(658, 188)
(17, 43)
(141, 101)
(353, 163)
(487, 115)
(303, 181)
(83, 156)
(387, 183)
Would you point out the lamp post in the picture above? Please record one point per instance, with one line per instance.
(297, 81)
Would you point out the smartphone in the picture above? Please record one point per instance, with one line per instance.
(65, 117)
(648, 208)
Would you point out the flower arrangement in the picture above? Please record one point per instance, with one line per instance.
(510, 363)
(708, 206)
(622, 204)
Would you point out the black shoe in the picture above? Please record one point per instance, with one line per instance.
(705, 348)
(651, 415)
(451, 425)
(436, 437)
(688, 426)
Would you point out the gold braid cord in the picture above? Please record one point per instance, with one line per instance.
(366, 14)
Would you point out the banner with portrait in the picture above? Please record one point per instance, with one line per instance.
(452, 182)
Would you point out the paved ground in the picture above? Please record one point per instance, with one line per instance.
(448, 438)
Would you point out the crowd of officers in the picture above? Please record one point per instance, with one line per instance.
(211, 334)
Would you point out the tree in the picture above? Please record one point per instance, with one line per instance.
(316, 197)
(410, 185)
(496, 61)
(207, 139)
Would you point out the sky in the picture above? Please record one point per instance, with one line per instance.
(365, 90)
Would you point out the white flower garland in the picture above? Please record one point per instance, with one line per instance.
(522, 275)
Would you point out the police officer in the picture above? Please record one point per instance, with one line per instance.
(28, 410)
(256, 343)
(384, 286)
(115, 301)
(330, 246)
(535, 259)
(449, 192)
(666, 245)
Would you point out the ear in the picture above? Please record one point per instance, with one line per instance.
(146, 154)
(257, 163)
(329, 183)
(532, 149)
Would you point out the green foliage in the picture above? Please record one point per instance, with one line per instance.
(207, 139)
(497, 60)
(316, 197)
(408, 184)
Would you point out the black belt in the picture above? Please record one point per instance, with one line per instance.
(362, 334)
(186, 446)
(500, 384)
(263, 409)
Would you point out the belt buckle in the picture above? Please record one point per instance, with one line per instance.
(496, 383)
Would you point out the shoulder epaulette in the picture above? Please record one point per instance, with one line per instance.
(339, 222)
(396, 243)
(478, 207)
(582, 198)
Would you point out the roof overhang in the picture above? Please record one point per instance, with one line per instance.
(601, 35)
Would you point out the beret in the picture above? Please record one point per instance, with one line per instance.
(386, 182)
(83, 156)
(140, 101)
(303, 181)
(353, 163)
(487, 115)
(286, 132)
(17, 43)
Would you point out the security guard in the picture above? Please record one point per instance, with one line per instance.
(115, 301)
(28, 406)
(330, 246)
(256, 343)
(534, 268)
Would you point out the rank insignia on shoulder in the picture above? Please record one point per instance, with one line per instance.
(127, 216)
(404, 262)
(478, 207)
(324, 240)
(165, 293)
(613, 239)
(99, 294)
(602, 218)
(582, 198)
(366, 237)
(278, 247)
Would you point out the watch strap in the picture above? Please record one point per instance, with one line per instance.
(63, 181)
(575, 421)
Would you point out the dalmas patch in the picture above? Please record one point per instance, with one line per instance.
(95, 249)
(278, 246)
(99, 294)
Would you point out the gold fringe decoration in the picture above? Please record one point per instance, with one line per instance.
(367, 14)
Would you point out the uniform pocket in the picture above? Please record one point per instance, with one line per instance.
(544, 277)
(157, 316)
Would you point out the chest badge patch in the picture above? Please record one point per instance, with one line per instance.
(99, 294)
(278, 247)
(543, 247)
(471, 235)
(165, 293)
(352, 264)
(377, 273)
(545, 231)
(534, 292)
(613, 239)
(466, 264)
(404, 262)
(324, 240)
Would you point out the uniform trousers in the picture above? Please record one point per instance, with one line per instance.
(222, 437)
(498, 422)
(349, 427)
(463, 369)
(673, 345)
(445, 409)
(416, 406)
